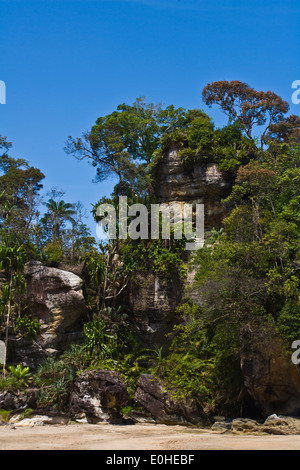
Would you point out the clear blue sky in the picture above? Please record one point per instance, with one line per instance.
(65, 63)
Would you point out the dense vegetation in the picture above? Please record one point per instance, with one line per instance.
(247, 273)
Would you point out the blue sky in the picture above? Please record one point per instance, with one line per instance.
(65, 63)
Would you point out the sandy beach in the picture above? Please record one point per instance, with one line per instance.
(135, 437)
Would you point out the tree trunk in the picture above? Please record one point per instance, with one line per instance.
(7, 325)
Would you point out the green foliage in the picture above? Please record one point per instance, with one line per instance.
(246, 106)
(29, 327)
(122, 144)
(247, 274)
(191, 367)
(53, 252)
(12, 259)
(126, 410)
(11, 383)
(198, 141)
(155, 256)
(55, 378)
(17, 379)
(77, 357)
(4, 416)
(58, 212)
(19, 371)
(19, 188)
(60, 235)
(288, 322)
(99, 339)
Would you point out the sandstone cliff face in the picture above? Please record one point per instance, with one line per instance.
(270, 377)
(55, 298)
(204, 184)
(153, 301)
(152, 305)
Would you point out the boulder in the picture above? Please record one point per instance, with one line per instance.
(54, 297)
(221, 426)
(244, 425)
(38, 420)
(38, 417)
(153, 395)
(16, 400)
(281, 425)
(100, 395)
(278, 425)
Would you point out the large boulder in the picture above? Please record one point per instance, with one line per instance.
(153, 395)
(99, 395)
(54, 297)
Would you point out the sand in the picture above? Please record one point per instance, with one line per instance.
(135, 437)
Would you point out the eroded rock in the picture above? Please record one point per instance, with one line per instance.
(54, 297)
(203, 183)
(15, 400)
(152, 305)
(100, 395)
(270, 377)
(155, 398)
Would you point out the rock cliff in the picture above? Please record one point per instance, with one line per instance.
(201, 183)
(270, 377)
(152, 304)
(55, 297)
(153, 301)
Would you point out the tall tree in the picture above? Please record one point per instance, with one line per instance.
(20, 184)
(122, 144)
(246, 105)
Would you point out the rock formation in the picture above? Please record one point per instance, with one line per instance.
(270, 377)
(99, 395)
(55, 297)
(152, 395)
(152, 305)
(153, 301)
(15, 400)
(203, 183)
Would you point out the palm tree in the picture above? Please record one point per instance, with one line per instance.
(58, 213)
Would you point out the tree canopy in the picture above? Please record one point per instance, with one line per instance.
(246, 105)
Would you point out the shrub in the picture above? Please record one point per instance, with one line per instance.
(29, 327)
